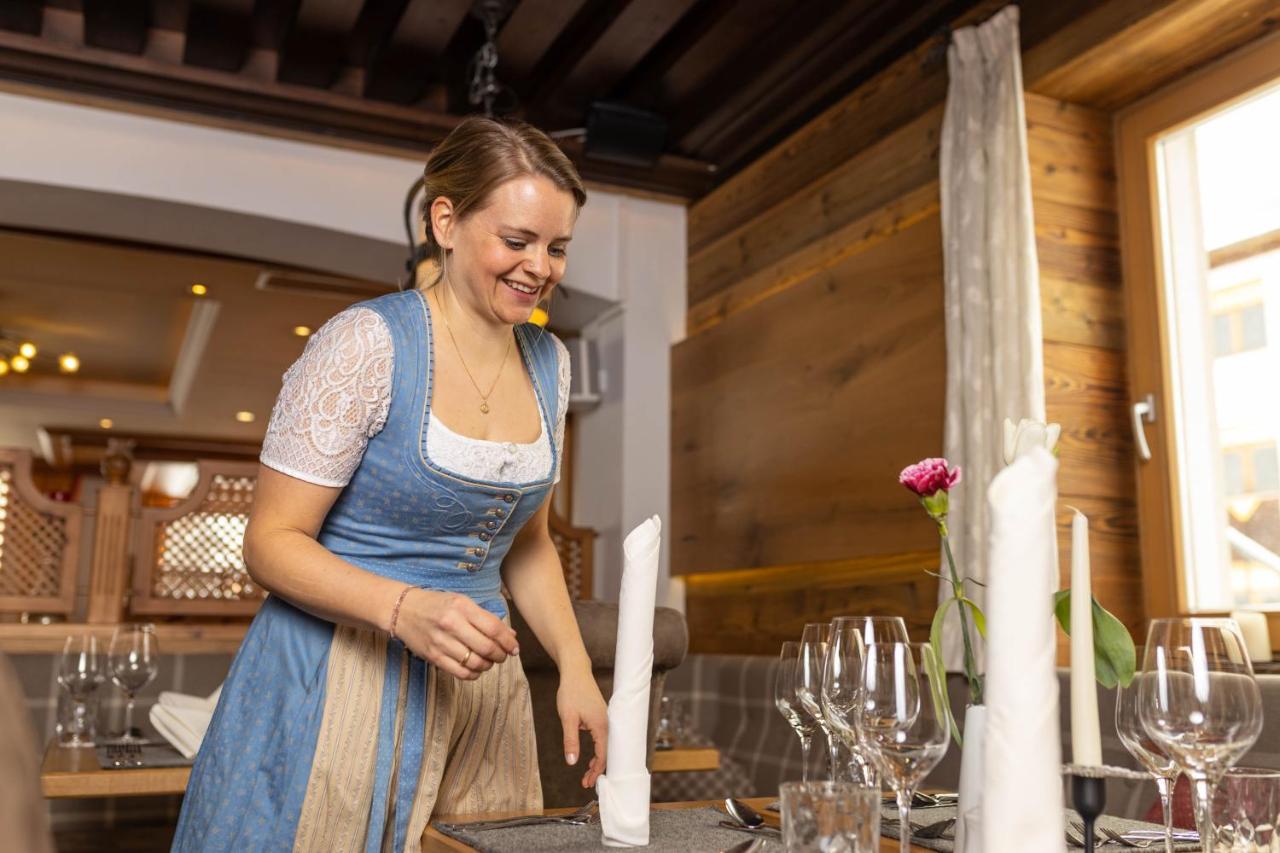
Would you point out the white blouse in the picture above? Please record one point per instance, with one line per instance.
(336, 397)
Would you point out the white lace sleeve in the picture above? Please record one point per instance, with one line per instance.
(562, 403)
(334, 399)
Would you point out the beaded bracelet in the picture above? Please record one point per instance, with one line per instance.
(395, 611)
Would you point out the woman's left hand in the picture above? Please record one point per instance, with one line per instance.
(582, 709)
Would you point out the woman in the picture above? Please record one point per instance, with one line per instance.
(404, 477)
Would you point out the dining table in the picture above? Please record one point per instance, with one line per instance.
(434, 841)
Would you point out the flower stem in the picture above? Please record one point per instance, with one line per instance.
(957, 589)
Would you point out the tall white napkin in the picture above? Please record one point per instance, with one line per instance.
(1022, 781)
(624, 791)
(183, 719)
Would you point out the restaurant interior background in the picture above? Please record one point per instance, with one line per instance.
(754, 310)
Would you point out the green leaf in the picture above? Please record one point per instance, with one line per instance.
(1115, 659)
(979, 620)
(938, 685)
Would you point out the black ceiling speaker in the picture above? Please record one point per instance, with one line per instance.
(619, 133)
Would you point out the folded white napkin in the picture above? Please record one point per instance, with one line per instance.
(624, 791)
(183, 719)
(182, 727)
(1022, 783)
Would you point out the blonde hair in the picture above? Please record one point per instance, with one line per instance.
(479, 155)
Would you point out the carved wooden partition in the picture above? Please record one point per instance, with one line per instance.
(576, 546)
(187, 558)
(39, 542)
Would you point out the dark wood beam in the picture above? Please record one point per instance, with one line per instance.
(882, 35)
(218, 34)
(272, 20)
(153, 87)
(373, 29)
(117, 24)
(574, 42)
(529, 33)
(315, 46)
(642, 85)
(411, 58)
(637, 29)
(22, 16)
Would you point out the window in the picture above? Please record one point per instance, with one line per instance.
(1250, 470)
(1240, 329)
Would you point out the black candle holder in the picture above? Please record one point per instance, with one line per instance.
(1089, 797)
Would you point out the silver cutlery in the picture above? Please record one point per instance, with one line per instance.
(584, 816)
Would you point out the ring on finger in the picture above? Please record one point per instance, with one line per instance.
(466, 658)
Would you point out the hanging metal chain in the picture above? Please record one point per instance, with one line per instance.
(484, 86)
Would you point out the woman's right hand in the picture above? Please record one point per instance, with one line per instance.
(445, 629)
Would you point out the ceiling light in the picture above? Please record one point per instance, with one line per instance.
(68, 363)
(244, 417)
(199, 289)
(20, 363)
(27, 349)
(106, 423)
(302, 331)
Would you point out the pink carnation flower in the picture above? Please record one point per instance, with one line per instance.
(929, 476)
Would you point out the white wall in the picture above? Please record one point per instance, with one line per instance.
(627, 250)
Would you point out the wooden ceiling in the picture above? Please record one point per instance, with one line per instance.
(732, 78)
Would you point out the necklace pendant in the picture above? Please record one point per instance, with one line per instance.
(484, 408)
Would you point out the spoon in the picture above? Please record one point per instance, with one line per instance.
(743, 813)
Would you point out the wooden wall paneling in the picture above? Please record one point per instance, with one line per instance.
(791, 420)
(814, 258)
(904, 160)
(754, 611)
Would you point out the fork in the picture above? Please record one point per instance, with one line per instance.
(1112, 837)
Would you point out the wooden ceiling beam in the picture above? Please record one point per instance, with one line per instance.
(218, 34)
(410, 58)
(315, 47)
(633, 34)
(590, 24)
(22, 16)
(117, 24)
(527, 36)
(642, 85)
(881, 36)
(272, 20)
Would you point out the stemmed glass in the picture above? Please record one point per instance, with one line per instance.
(809, 670)
(841, 681)
(1198, 700)
(784, 697)
(1148, 753)
(80, 674)
(133, 661)
(902, 720)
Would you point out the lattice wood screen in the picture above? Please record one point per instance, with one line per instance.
(188, 558)
(39, 542)
(577, 547)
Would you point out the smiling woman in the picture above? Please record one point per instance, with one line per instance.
(405, 479)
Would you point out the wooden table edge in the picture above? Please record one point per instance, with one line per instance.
(68, 773)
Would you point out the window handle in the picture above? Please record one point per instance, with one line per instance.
(1143, 410)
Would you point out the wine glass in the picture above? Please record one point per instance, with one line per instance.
(133, 661)
(784, 697)
(842, 674)
(1147, 752)
(902, 720)
(80, 674)
(809, 670)
(1198, 700)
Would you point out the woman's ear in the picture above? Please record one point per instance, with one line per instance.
(442, 222)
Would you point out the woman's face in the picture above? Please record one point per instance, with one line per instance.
(509, 255)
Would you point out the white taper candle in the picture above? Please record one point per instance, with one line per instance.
(1086, 738)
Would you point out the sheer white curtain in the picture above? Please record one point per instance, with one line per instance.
(995, 362)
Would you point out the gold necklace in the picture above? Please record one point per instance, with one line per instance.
(484, 398)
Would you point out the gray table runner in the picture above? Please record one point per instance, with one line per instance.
(670, 831)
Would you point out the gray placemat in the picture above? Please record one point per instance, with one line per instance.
(153, 755)
(925, 816)
(670, 831)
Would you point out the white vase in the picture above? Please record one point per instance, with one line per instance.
(969, 809)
